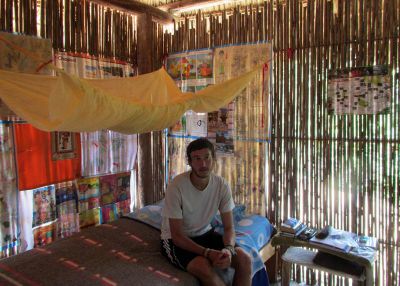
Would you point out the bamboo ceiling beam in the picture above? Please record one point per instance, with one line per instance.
(136, 7)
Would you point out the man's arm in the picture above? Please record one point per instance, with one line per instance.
(181, 240)
(229, 230)
(229, 240)
(216, 257)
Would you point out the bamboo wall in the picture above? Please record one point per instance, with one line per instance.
(73, 26)
(339, 170)
(324, 169)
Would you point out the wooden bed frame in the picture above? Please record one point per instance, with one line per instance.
(267, 253)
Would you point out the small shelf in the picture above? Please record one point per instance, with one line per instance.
(304, 257)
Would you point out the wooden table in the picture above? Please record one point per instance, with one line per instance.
(298, 254)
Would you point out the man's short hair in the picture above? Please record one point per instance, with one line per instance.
(199, 144)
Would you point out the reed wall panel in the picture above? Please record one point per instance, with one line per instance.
(73, 26)
(342, 170)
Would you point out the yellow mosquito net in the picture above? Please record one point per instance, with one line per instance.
(140, 104)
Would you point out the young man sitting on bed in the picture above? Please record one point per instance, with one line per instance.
(192, 199)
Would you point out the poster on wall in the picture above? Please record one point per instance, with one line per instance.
(90, 217)
(87, 66)
(67, 61)
(63, 145)
(114, 68)
(204, 68)
(11, 59)
(123, 207)
(196, 124)
(179, 128)
(188, 68)
(90, 67)
(88, 194)
(192, 72)
(44, 205)
(230, 62)
(173, 66)
(115, 188)
(123, 187)
(109, 213)
(44, 235)
(108, 189)
(194, 66)
(362, 90)
(67, 209)
(220, 129)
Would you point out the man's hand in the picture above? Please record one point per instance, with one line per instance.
(220, 258)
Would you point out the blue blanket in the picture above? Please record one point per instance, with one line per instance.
(252, 233)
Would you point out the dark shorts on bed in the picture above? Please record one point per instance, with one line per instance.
(180, 257)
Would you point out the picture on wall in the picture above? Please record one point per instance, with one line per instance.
(14, 60)
(44, 205)
(123, 186)
(361, 90)
(108, 188)
(63, 145)
(44, 235)
(88, 193)
(66, 206)
(192, 72)
(174, 66)
(220, 129)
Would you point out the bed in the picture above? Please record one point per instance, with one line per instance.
(124, 252)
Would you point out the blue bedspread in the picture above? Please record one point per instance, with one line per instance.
(252, 233)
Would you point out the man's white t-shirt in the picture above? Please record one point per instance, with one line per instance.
(196, 208)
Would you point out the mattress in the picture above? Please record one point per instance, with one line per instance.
(123, 252)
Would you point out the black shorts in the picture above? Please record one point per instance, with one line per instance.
(180, 257)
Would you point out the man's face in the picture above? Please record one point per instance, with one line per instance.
(202, 162)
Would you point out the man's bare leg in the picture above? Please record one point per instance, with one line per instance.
(202, 269)
(242, 264)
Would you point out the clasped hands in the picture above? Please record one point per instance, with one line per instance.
(220, 258)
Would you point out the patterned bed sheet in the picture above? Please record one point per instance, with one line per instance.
(122, 252)
(252, 231)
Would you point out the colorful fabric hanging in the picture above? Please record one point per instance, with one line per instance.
(35, 152)
(105, 152)
(8, 194)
